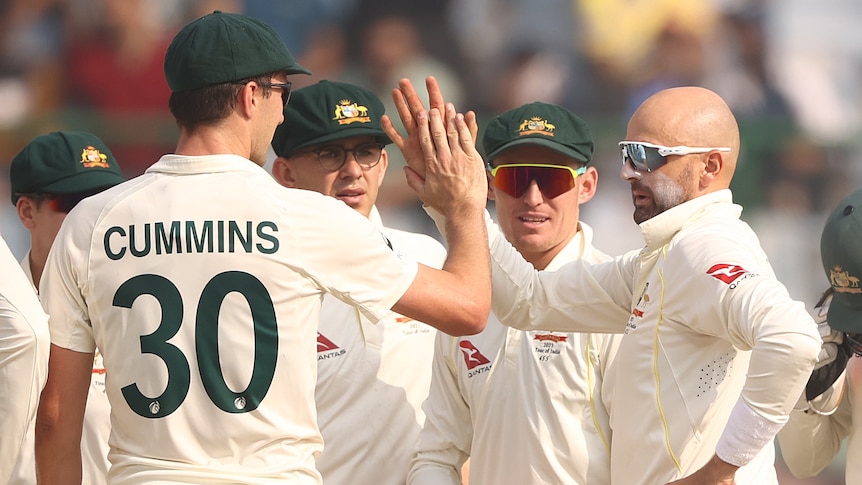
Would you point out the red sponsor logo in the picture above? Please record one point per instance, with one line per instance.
(472, 356)
(402, 319)
(550, 337)
(638, 313)
(324, 344)
(726, 272)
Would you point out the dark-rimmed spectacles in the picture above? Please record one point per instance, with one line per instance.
(332, 157)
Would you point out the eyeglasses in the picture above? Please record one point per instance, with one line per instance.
(285, 88)
(553, 180)
(854, 341)
(646, 157)
(332, 157)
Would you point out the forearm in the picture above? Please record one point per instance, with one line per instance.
(810, 441)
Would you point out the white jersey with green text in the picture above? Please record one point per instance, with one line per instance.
(372, 380)
(201, 283)
(527, 407)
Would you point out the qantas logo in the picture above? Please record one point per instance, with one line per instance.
(324, 344)
(472, 357)
(726, 272)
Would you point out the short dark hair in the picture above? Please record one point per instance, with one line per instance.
(210, 104)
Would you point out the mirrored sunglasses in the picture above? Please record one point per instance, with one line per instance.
(553, 180)
(646, 157)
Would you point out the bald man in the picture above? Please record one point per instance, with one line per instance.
(715, 352)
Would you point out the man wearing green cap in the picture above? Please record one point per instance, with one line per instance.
(371, 378)
(49, 176)
(547, 387)
(201, 282)
(715, 352)
(831, 410)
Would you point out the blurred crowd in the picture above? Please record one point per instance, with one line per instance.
(791, 70)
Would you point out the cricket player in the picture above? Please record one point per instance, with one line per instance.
(371, 378)
(831, 408)
(24, 344)
(715, 351)
(545, 391)
(49, 176)
(201, 282)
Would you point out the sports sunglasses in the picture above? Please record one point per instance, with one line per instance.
(553, 180)
(646, 157)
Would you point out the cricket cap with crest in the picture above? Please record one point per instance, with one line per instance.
(542, 124)
(223, 47)
(63, 162)
(326, 112)
(841, 255)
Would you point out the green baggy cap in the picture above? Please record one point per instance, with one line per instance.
(67, 162)
(222, 47)
(542, 124)
(841, 254)
(325, 112)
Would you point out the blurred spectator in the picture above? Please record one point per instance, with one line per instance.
(816, 61)
(391, 48)
(114, 66)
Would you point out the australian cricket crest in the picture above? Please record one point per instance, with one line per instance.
(92, 157)
(347, 112)
(536, 125)
(842, 281)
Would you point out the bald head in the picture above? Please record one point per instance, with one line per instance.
(691, 116)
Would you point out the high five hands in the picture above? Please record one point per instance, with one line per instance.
(443, 166)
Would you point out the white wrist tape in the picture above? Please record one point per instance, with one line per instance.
(745, 435)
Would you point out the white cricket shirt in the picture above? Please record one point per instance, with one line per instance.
(24, 348)
(201, 283)
(94, 437)
(372, 380)
(692, 303)
(527, 407)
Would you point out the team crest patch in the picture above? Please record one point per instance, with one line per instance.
(347, 112)
(842, 281)
(91, 157)
(536, 125)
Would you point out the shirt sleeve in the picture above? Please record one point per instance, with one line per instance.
(445, 440)
(578, 297)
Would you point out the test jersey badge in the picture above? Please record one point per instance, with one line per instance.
(536, 125)
(92, 157)
(842, 281)
(347, 112)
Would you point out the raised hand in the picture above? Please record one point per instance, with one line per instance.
(410, 108)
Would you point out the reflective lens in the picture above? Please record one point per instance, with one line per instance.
(553, 180)
(646, 157)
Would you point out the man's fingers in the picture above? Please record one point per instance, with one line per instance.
(470, 118)
(391, 132)
(415, 181)
(435, 96)
(440, 137)
(403, 110)
(426, 143)
(414, 103)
